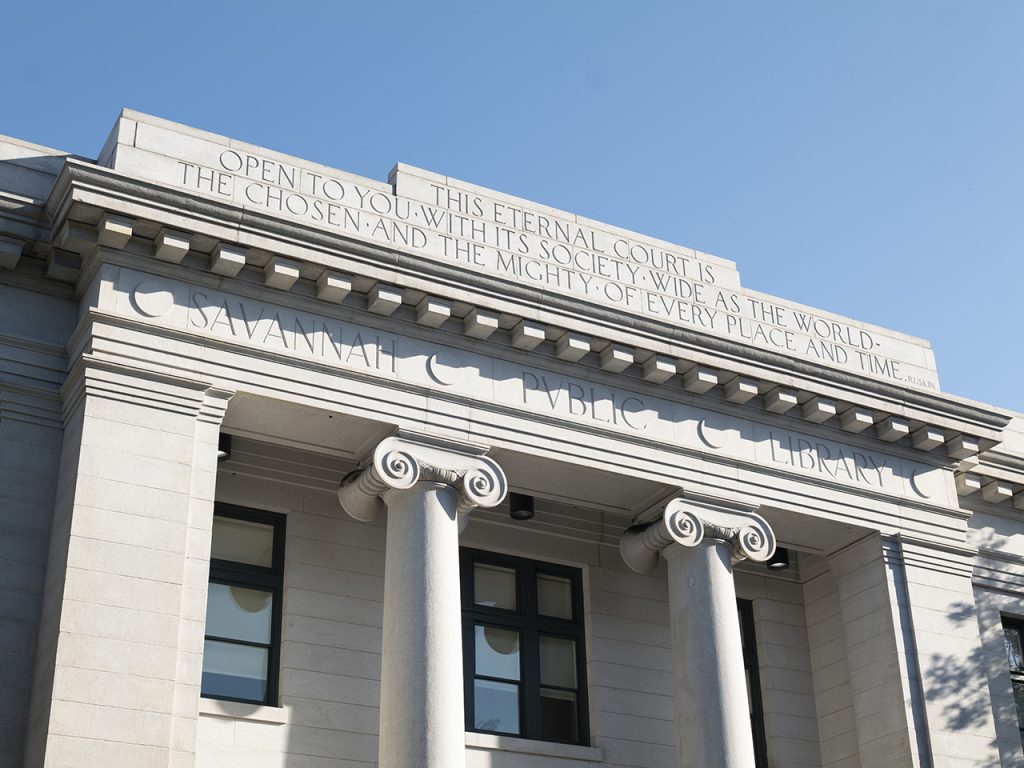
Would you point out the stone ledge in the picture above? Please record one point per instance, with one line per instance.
(256, 713)
(553, 749)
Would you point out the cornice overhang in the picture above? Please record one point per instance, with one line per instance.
(948, 428)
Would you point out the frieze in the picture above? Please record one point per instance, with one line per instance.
(534, 392)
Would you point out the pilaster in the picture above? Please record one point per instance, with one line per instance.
(120, 647)
(884, 677)
(951, 654)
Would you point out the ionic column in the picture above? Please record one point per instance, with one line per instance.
(428, 487)
(701, 542)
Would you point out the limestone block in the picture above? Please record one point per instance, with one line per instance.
(780, 400)
(658, 369)
(63, 266)
(615, 358)
(700, 379)
(171, 246)
(740, 389)
(997, 491)
(383, 299)
(433, 312)
(892, 428)
(333, 287)
(856, 419)
(527, 335)
(962, 446)
(819, 409)
(114, 231)
(280, 273)
(479, 324)
(227, 260)
(10, 252)
(966, 483)
(76, 237)
(572, 346)
(926, 438)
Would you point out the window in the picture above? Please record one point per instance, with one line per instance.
(1012, 631)
(243, 609)
(523, 648)
(749, 643)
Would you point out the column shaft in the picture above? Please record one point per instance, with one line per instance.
(712, 714)
(421, 716)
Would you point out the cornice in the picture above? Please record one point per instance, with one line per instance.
(598, 340)
(77, 174)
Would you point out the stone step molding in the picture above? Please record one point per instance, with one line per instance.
(76, 241)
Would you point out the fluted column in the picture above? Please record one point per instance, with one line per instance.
(428, 487)
(701, 541)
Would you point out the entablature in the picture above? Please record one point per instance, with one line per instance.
(96, 207)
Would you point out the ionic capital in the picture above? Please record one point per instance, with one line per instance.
(403, 460)
(689, 523)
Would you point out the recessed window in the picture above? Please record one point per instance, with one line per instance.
(523, 645)
(243, 608)
(749, 642)
(1012, 632)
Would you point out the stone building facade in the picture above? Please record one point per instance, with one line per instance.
(303, 469)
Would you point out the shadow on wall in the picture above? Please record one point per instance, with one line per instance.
(952, 679)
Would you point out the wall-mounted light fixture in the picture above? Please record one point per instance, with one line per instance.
(780, 560)
(520, 506)
(223, 447)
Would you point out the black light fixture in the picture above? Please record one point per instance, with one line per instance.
(520, 506)
(780, 560)
(223, 447)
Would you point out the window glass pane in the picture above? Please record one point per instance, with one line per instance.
(750, 698)
(1018, 696)
(1013, 650)
(494, 586)
(239, 613)
(234, 671)
(554, 596)
(557, 661)
(558, 716)
(497, 706)
(497, 652)
(242, 541)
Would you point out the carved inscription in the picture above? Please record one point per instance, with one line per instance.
(544, 397)
(553, 252)
(837, 462)
(562, 396)
(282, 330)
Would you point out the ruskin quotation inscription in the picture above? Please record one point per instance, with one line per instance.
(554, 253)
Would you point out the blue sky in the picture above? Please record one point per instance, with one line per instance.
(862, 157)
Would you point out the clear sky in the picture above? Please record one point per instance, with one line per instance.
(864, 157)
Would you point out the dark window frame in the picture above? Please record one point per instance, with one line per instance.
(526, 620)
(1016, 675)
(752, 671)
(270, 579)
